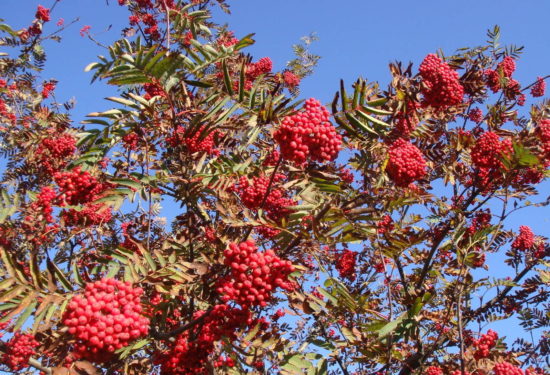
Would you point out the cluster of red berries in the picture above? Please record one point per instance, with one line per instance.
(90, 215)
(227, 39)
(385, 224)
(484, 344)
(224, 362)
(433, 370)
(290, 79)
(309, 135)
(19, 350)
(42, 14)
(54, 152)
(538, 88)
(130, 141)
(199, 141)
(47, 88)
(188, 356)
(505, 368)
(107, 317)
(43, 203)
(476, 115)
(544, 136)
(486, 157)
(407, 120)
(506, 67)
(254, 195)
(153, 89)
(254, 275)
(262, 66)
(525, 240)
(346, 175)
(78, 186)
(345, 263)
(440, 84)
(4, 112)
(406, 163)
(479, 222)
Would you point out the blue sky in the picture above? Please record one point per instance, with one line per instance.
(356, 38)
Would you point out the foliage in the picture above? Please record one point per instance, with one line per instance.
(271, 264)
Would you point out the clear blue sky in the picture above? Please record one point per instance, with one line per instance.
(357, 38)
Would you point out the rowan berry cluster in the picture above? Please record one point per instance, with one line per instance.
(506, 67)
(505, 368)
(200, 141)
(385, 224)
(290, 79)
(262, 66)
(544, 136)
(77, 186)
(345, 263)
(54, 151)
(106, 317)
(479, 222)
(486, 156)
(91, 214)
(433, 370)
(188, 356)
(254, 275)
(43, 14)
(153, 89)
(19, 350)
(406, 163)
(308, 134)
(255, 195)
(4, 112)
(538, 89)
(47, 88)
(484, 344)
(44, 202)
(440, 84)
(476, 115)
(407, 120)
(227, 39)
(525, 240)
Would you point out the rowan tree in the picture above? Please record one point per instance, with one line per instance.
(309, 238)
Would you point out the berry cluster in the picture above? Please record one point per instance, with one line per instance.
(385, 224)
(484, 344)
(505, 368)
(440, 84)
(309, 135)
(200, 141)
(406, 163)
(407, 120)
(152, 90)
(476, 115)
(42, 14)
(433, 370)
(4, 112)
(254, 275)
(486, 157)
(525, 240)
(262, 66)
(54, 151)
(479, 222)
(538, 88)
(290, 79)
(18, 351)
(254, 195)
(47, 88)
(227, 39)
(345, 264)
(107, 317)
(43, 203)
(544, 136)
(91, 214)
(78, 186)
(188, 356)
(506, 67)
